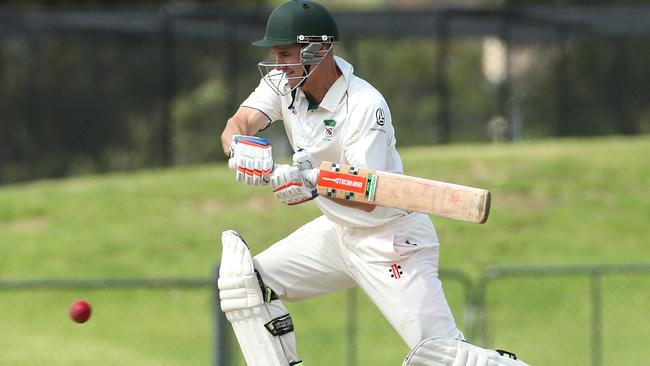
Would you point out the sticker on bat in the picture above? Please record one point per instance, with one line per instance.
(342, 181)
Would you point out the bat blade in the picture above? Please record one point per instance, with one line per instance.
(433, 197)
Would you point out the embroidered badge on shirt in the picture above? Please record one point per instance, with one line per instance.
(330, 131)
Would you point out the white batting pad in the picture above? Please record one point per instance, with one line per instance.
(238, 285)
(440, 351)
(241, 300)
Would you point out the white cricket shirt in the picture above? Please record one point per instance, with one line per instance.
(352, 125)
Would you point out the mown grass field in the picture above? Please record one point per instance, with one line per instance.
(574, 201)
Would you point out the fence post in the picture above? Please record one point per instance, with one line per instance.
(596, 331)
(352, 326)
(562, 91)
(507, 102)
(482, 329)
(4, 124)
(231, 66)
(222, 351)
(441, 82)
(168, 75)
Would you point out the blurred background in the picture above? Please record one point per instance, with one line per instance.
(98, 88)
(112, 185)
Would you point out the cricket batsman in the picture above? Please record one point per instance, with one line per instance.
(329, 114)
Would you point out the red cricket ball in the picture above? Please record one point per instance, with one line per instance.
(80, 311)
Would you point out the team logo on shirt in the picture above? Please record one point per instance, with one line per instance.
(329, 133)
(381, 117)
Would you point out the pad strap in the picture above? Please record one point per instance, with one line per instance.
(267, 292)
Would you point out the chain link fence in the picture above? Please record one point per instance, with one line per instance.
(121, 88)
(177, 322)
(568, 315)
(562, 315)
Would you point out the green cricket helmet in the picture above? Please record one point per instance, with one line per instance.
(303, 22)
(298, 18)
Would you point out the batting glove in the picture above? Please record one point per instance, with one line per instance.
(289, 185)
(252, 159)
(304, 161)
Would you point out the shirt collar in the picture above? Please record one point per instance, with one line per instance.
(336, 92)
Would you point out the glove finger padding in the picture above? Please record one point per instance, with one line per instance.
(249, 163)
(289, 186)
(277, 180)
(253, 159)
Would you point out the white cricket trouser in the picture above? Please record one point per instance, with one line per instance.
(396, 265)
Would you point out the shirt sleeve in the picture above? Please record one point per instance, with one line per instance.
(372, 141)
(265, 100)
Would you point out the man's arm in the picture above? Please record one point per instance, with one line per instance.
(246, 121)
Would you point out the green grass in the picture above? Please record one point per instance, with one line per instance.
(574, 201)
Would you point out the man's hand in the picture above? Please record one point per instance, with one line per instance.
(289, 185)
(252, 159)
(304, 161)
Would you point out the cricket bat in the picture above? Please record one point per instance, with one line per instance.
(345, 182)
